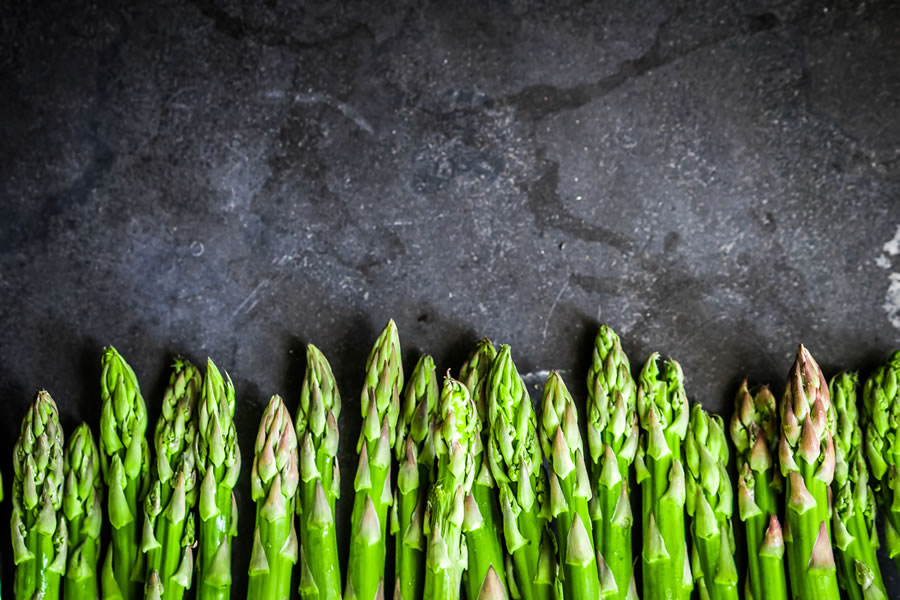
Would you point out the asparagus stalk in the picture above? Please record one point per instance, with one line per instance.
(514, 455)
(125, 462)
(806, 454)
(570, 490)
(613, 436)
(663, 410)
(274, 480)
(854, 501)
(218, 461)
(456, 430)
(414, 450)
(482, 516)
(380, 407)
(709, 502)
(168, 534)
(39, 533)
(754, 432)
(82, 497)
(320, 479)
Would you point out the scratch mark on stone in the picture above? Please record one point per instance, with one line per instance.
(552, 308)
(342, 107)
(251, 299)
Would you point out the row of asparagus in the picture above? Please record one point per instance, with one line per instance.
(473, 508)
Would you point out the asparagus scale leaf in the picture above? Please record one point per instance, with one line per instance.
(710, 504)
(755, 434)
(39, 532)
(218, 461)
(613, 435)
(414, 450)
(664, 414)
(570, 490)
(514, 455)
(320, 479)
(380, 407)
(125, 463)
(482, 522)
(807, 458)
(456, 430)
(274, 481)
(168, 533)
(83, 510)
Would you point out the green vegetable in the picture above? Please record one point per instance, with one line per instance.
(125, 461)
(168, 535)
(855, 538)
(414, 450)
(218, 461)
(755, 433)
(613, 434)
(82, 498)
(39, 533)
(514, 455)
(274, 480)
(320, 479)
(380, 407)
(481, 523)
(570, 490)
(456, 431)
(664, 413)
(710, 504)
(806, 454)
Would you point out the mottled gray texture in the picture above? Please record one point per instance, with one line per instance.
(716, 180)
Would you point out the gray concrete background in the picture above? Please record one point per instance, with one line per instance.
(719, 181)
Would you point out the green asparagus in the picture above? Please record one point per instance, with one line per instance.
(125, 462)
(570, 490)
(168, 534)
(613, 435)
(482, 516)
(456, 431)
(274, 481)
(82, 498)
(320, 479)
(514, 455)
(806, 455)
(218, 461)
(39, 533)
(881, 400)
(855, 537)
(754, 432)
(380, 407)
(709, 500)
(414, 450)
(664, 413)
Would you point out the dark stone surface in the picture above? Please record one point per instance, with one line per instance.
(717, 180)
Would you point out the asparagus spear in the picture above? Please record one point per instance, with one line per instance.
(613, 441)
(514, 455)
(82, 497)
(168, 534)
(218, 461)
(320, 480)
(456, 430)
(274, 480)
(709, 503)
(806, 454)
(570, 490)
(482, 517)
(414, 450)
(380, 406)
(663, 410)
(854, 502)
(125, 462)
(39, 534)
(754, 431)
